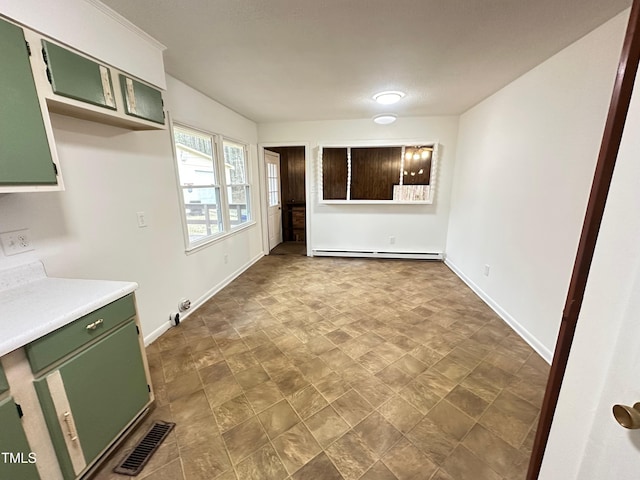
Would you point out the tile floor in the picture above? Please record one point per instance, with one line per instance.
(328, 369)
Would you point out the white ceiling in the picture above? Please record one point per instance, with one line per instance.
(289, 60)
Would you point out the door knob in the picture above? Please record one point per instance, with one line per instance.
(628, 417)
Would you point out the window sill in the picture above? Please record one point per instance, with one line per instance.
(375, 202)
(219, 238)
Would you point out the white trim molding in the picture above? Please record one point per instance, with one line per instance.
(533, 342)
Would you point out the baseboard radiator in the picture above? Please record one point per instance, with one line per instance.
(377, 254)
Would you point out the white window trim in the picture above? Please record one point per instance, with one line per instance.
(228, 231)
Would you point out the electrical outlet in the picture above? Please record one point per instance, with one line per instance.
(142, 219)
(226, 258)
(392, 240)
(16, 242)
(487, 269)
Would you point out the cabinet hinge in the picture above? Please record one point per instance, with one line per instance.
(20, 412)
(149, 387)
(28, 48)
(44, 56)
(55, 169)
(137, 330)
(49, 76)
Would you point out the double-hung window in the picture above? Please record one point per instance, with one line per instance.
(213, 177)
(235, 163)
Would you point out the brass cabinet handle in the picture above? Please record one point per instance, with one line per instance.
(94, 325)
(71, 428)
(628, 417)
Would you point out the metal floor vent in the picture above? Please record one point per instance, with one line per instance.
(135, 461)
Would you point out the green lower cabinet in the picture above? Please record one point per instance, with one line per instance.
(16, 459)
(91, 398)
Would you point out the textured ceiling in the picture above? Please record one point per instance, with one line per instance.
(288, 60)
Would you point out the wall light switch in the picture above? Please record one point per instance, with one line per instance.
(487, 269)
(142, 219)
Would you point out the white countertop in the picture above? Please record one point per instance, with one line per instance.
(33, 305)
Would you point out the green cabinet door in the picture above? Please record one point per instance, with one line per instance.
(25, 157)
(74, 76)
(106, 388)
(16, 459)
(141, 100)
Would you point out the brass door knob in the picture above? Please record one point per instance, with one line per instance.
(628, 417)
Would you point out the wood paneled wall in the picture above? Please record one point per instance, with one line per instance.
(374, 172)
(334, 173)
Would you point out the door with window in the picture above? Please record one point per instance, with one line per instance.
(274, 202)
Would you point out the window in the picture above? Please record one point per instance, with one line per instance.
(215, 195)
(274, 188)
(235, 163)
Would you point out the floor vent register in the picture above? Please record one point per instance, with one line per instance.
(135, 461)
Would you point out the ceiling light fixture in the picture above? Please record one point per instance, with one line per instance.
(388, 98)
(385, 118)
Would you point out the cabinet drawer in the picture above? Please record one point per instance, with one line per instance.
(74, 76)
(46, 350)
(4, 385)
(141, 100)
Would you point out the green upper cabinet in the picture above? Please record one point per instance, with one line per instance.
(74, 76)
(25, 155)
(4, 385)
(142, 101)
(20, 461)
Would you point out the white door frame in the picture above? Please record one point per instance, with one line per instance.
(308, 185)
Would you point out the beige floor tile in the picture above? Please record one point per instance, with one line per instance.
(278, 418)
(400, 413)
(325, 339)
(406, 462)
(296, 447)
(463, 464)
(262, 465)
(318, 468)
(351, 455)
(244, 439)
(352, 407)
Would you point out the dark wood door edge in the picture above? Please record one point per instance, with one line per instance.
(622, 90)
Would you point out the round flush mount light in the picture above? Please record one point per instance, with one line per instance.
(388, 98)
(385, 118)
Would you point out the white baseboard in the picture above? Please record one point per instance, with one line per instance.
(206, 296)
(533, 342)
(376, 254)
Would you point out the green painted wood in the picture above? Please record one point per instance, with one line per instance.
(55, 432)
(146, 102)
(107, 388)
(4, 384)
(52, 347)
(25, 157)
(75, 76)
(14, 442)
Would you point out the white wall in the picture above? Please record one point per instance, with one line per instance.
(90, 229)
(94, 29)
(525, 161)
(585, 442)
(416, 228)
